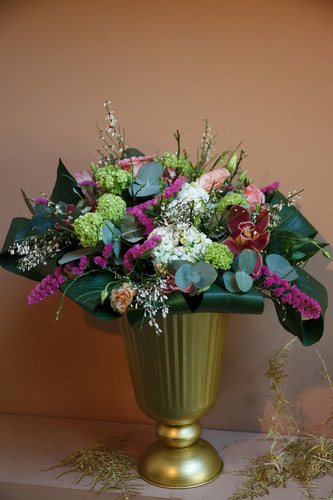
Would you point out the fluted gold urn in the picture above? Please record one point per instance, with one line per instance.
(176, 377)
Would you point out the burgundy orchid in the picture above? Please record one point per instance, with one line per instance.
(245, 234)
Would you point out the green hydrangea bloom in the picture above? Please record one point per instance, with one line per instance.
(87, 228)
(231, 199)
(111, 207)
(180, 165)
(113, 179)
(219, 256)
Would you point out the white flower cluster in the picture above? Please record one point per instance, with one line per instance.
(182, 242)
(192, 194)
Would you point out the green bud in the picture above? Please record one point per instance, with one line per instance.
(248, 181)
(242, 176)
(231, 165)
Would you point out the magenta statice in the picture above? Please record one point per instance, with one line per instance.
(147, 236)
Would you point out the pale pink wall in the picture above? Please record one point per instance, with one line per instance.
(259, 70)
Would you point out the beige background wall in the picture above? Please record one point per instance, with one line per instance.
(260, 71)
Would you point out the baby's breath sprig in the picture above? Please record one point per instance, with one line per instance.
(112, 137)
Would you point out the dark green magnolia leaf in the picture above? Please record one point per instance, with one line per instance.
(291, 245)
(28, 203)
(130, 152)
(244, 281)
(147, 182)
(309, 331)
(86, 290)
(280, 266)
(9, 262)
(65, 188)
(216, 299)
(291, 219)
(38, 223)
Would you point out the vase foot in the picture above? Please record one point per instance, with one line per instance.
(188, 467)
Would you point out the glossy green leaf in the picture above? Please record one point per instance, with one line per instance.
(28, 203)
(8, 261)
(65, 188)
(291, 218)
(86, 290)
(216, 299)
(130, 152)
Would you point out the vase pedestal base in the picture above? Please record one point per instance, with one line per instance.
(169, 467)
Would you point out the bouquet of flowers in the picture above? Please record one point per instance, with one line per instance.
(148, 236)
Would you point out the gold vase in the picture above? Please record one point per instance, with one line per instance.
(176, 378)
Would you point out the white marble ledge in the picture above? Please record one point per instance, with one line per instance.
(29, 444)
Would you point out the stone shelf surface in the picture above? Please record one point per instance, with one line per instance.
(29, 444)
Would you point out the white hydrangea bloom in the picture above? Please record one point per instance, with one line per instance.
(184, 242)
(190, 192)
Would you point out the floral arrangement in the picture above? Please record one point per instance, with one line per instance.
(149, 236)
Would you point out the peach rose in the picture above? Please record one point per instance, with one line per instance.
(121, 298)
(254, 196)
(135, 162)
(213, 180)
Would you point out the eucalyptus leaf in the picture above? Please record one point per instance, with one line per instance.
(230, 282)
(147, 181)
(75, 255)
(173, 265)
(245, 261)
(184, 276)
(280, 266)
(244, 281)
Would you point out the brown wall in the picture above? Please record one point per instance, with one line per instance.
(259, 70)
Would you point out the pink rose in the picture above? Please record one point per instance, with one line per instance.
(254, 196)
(135, 163)
(83, 176)
(213, 180)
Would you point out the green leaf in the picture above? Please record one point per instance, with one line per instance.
(280, 266)
(86, 290)
(245, 261)
(230, 282)
(75, 255)
(216, 299)
(244, 281)
(65, 187)
(290, 245)
(8, 261)
(184, 276)
(38, 223)
(147, 182)
(28, 203)
(291, 219)
(129, 152)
